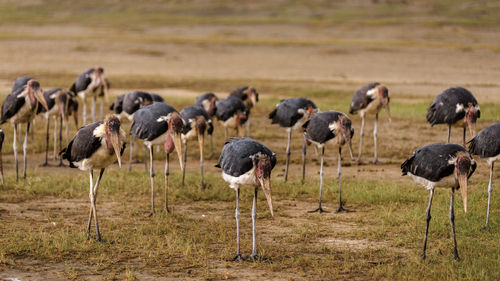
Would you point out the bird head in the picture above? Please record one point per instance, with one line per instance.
(471, 115)
(35, 93)
(212, 108)
(383, 94)
(112, 127)
(263, 167)
(464, 167)
(175, 128)
(73, 107)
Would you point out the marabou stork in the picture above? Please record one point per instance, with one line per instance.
(207, 101)
(2, 137)
(441, 165)
(329, 127)
(453, 105)
(245, 161)
(370, 99)
(156, 97)
(292, 114)
(249, 96)
(117, 105)
(487, 145)
(96, 146)
(61, 104)
(159, 123)
(86, 85)
(232, 113)
(19, 107)
(196, 121)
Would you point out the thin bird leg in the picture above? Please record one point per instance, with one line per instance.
(152, 175)
(375, 158)
(84, 112)
(319, 209)
(98, 233)
(490, 190)
(452, 222)
(32, 132)
(1, 167)
(463, 142)
(166, 182)
(201, 138)
(92, 110)
(339, 173)
(289, 130)
(25, 148)
(237, 216)
(54, 157)
(14, 145)
(449, 132)
(254, 255)
(427, 220)
(184, 159)
(47, 144)
(131, 152)
(304, 144)
(20, 127)
(91, 196)
(60, 140)
(362, 134)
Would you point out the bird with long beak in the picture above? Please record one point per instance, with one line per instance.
(441, 165)
(86, 85)
(329, 127)
(159, 123)
(208, 101)
(453, 105)
(250, 97)
(19, 107)
(370, 99)
(197, 122)
(2, 137)
(96, 146)
(245, 161)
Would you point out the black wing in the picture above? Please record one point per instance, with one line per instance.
(227, 108)
(134, 100)
(286, 113)
(83, 145)
(82, 81)
(20, 83)
(443, 109)
(145, 124)
(51, 101)
(207, 96)
(360, 99)
(487, 142)
(117, 105)
(240, 93)
(2, 137)
(235, 156)
(431, 161)
(193, 111)
(317, 128)
(12, 104)
(157, 98)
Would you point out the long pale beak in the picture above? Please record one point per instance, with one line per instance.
(349, 144)
(266, 186)
(201, 138)
(388, 111)
(39, 96)
(75, 117)
(462, 182)
(115, 142)
(178, 148)
(472, 128)
(241, 133)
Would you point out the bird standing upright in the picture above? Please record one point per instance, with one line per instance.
(86, 85)
(96, 146)
(370, 99)
(453, 105)
(196, 121)
(329, 127)
(19, 107)
(207, 101)
(292, 114)
(232, 113)
(2, 138)
(245, 161)
(487, 145)
(250, 97)
(441, 165)
(159, 123)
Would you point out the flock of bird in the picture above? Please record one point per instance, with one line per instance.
(244, 161)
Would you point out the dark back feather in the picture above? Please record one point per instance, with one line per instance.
(145, 124)
(317, 128)
(235, 156)
(117, 105)
(135, 100)
(286, 115)
(443, 109)
(83, 145)
(360, 99)
(51, 101)
(12, 104)
(487, 142)
(82, 81)
(228, 107)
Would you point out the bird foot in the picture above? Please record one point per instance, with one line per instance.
(166, 209)
(203, 186)
(98, 238)
(61, 164)
(376, 162)
(150, 214)
(238, 257)
(254, 257)
(319, 210)
(485, 228)
(456, 257)
(46, 164)
(341, 209)
(359, 162)
(423, 256)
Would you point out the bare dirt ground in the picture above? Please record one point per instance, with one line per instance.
(416, 63)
